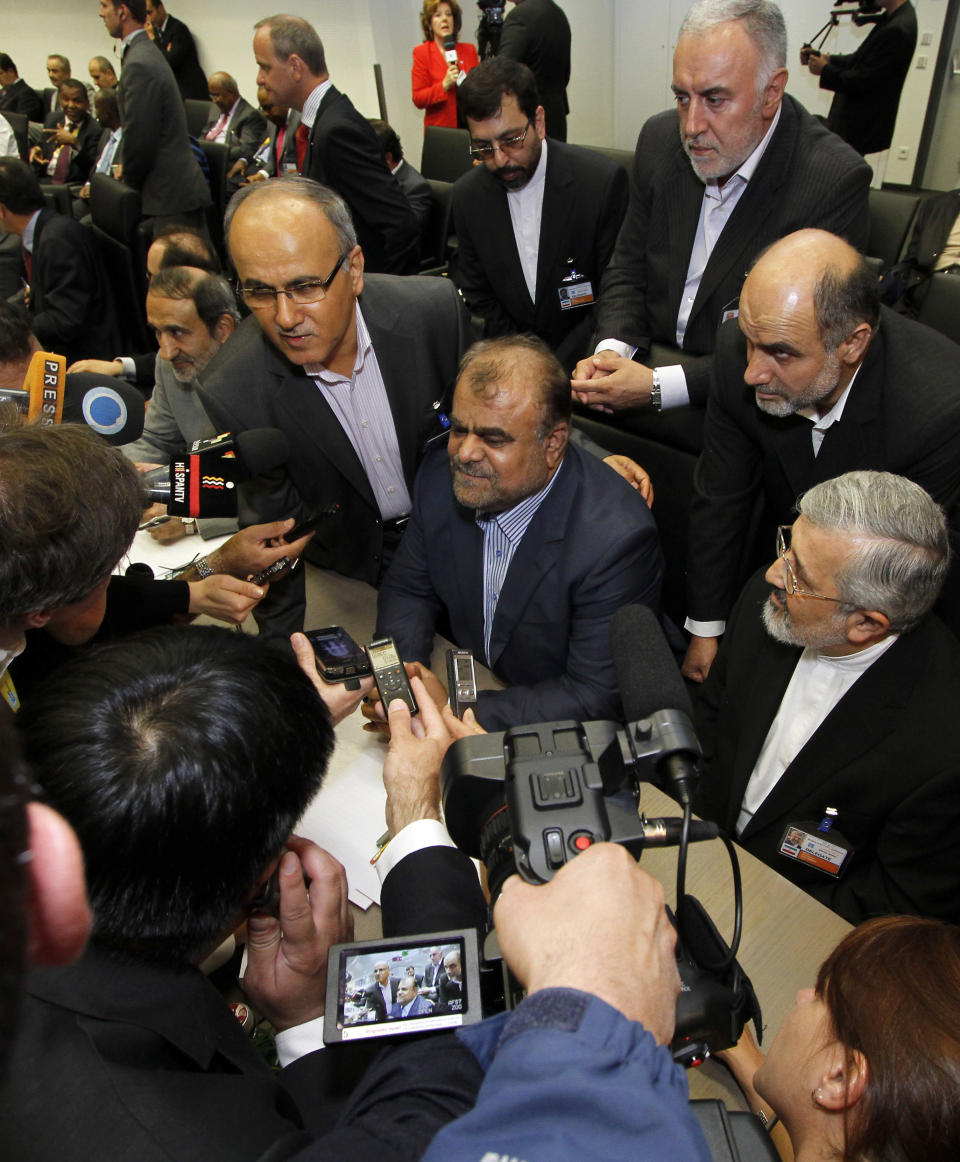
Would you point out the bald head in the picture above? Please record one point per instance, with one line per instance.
(223, 91)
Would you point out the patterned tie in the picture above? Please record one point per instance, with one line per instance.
(302, 139)
(212, 133)
(63, 164)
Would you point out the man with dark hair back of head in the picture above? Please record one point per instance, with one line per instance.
(72, 138)
(537, 222)
(184, 759)
(335, 144)
(157, 158)
(318, 325)
(750, 164)
(811, 346)
(827, 718)
(16, 96)
(416, 188)
(69, 292)
(559, 539)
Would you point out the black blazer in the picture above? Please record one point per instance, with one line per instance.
(537, 33)
(246, 132)
(177, 45)
(806, 177)
(584, 201)
(590, 548)
(885, 757)
(419, 330)
(868, 82)
(902, 415)
(84, 157)
(20, 98)
(343, 153)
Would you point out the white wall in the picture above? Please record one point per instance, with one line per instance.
(622, 52)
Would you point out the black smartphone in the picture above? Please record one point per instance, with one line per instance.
(389, 674)
(308, 524)
(461, 681)
(338, 655)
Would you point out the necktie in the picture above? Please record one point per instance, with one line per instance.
(212, 133)
(302, 138)
(278, 146)
(63, 164)
(28, 263)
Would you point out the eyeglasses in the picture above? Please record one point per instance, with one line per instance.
(792, 586)
(504, 144)
(310, 290)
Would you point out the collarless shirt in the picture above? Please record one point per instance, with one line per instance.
(833, 416)
(526, 214)
(362, 406)
(817, 685)
(502, 534)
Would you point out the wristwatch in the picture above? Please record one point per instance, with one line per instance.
(655, 401)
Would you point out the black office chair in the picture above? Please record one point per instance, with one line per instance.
(198, 114)
(217, 160)
(446, 153)
(892, 214)
(59, 198)
(435, 240)
(940, 307)
(21, 131)
(115, 216)
(623, 156)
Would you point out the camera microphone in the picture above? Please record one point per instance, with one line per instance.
(666, 832)
(651, 688)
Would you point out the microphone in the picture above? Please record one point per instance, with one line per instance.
(450, 49)
(113, 409)
(202, 481)
(651, 688)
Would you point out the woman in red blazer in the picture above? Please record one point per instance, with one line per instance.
(434, 81)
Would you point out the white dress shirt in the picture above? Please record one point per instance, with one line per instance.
(526, 214)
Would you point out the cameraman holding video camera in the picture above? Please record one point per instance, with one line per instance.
(868, 82)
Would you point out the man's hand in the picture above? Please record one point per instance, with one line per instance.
(601, 902)
(256, 548)
(36, 155)
(97, 366)
(61, 135)
(634, 475)
(225, 598)
(236, 168)
(411, 773)
(816, 61)
(286, 975)
(259, 176)
(699, 657)
(608, 382)
(170, 531)
(373, 708)
(340, 701)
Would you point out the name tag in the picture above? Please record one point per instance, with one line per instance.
(578, 294)
(811, 847)
(732, 313)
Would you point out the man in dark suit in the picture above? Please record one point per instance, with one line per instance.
(381, 996)
(335, 144)
(537, 222)
(813, 380)
(358, 379)
(867, 83)
(69, 292)
(827, 722)
(186, 1067)
(416, 188)
(238, 126)
(530, 550)
(16, 96)
(450, 990)
(175, 41)
(433, 973)
(934, 245)
(70, 128)
(155, 151)
(741, 173)
(537, 33)
(276, 153)
(409, 1003)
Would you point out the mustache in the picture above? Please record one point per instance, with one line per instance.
(476, 471)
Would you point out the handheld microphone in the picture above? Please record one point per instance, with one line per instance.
(650, 684)
(41, 397)
(202, 481)
(450, 49)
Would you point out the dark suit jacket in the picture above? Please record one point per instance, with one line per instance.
(69, 292)
(885, 757)
(177, 45)
(344, 153)
(375, 998)
(20, 98)
(902, 415)
(868, 82)
(419, 330)
(908, 281)
(84, 157)
(416, 189)
(245, 133)
(148, 1062)
(449, 993)
(806, 177)
(155, 149)
(591, 548)
(537, 33)
(584, 201)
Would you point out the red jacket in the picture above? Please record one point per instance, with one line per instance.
(429, 69)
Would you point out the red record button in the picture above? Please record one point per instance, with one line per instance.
(581, 841)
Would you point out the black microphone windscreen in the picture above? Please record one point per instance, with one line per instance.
(449, 44)
(110, 406)
(647, 673)
(260, 450)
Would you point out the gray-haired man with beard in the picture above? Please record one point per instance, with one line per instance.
(812, 380)
(827, 721)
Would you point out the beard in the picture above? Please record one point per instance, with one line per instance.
(780, 626)
(791, 402)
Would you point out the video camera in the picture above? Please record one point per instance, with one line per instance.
(490, 27)
(861, 12)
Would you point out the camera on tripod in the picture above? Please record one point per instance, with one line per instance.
(861, 12)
